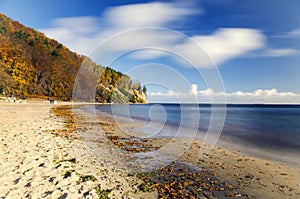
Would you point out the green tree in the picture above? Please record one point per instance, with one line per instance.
(144, 89)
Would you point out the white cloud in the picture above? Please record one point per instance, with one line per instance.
(295, 32)
(279, 52)
(77, 33)
(284, 51)
(228, 43)
(149, 54)
(147, 14)
(205, 96)
(82, 34)
(78, 25)
(224, 44)
(194, 89)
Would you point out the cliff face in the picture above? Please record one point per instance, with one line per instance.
(33, 65)
(136, 96)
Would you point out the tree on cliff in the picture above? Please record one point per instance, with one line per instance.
(33, 65)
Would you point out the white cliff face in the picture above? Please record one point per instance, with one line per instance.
(137, 96)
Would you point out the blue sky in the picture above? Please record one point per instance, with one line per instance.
(245, 50)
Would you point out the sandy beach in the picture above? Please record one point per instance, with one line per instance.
(36, 162)
(43, 156)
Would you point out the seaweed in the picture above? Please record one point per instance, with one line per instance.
(85, 178)
(102, 194)
(68, 173)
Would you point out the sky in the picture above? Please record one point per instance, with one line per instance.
(235, 51)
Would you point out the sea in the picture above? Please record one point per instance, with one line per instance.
(269, 131)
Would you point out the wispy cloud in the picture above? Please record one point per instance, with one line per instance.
(274, 52)
(205, 96)
(224, 44)
(83, 34)
(290, 34)
(295, 32)
(148, 14)
(280, 52)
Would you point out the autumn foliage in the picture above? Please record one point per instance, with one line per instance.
(33, 65)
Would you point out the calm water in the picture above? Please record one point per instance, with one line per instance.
(269, 131)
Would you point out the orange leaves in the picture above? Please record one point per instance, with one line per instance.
(182, 181)
(40, 66)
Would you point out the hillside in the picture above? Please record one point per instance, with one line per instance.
(32, 65)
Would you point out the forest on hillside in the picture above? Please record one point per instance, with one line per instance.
(33, 65)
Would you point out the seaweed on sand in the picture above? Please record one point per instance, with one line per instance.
(180, 180)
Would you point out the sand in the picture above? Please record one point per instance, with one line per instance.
(36, 163)
(42, 156)
(258, 178)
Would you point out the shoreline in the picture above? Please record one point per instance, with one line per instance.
(261, 153)
(287, 156)
(253, 176)
(231, 143)
(36, 161)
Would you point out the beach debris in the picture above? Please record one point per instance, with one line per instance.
(47, 193)
(249, 176)
(86, 178)
(63, 196)
(44, 176)
(69, 128)
(42, 164)
(101, 193)
(283, 188)
(57, 163)
(179, 180)
(284, 174)
(132, 144)
(236, 166)
(68, 173)
(16, 181)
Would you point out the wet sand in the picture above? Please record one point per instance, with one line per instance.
(250, 177)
